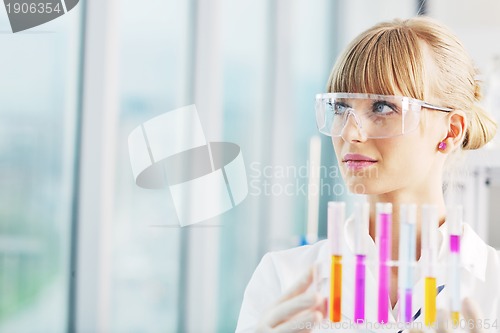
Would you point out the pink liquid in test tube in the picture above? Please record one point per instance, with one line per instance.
(384, 232)
(408, 299)
(454, 221)
(359, 309)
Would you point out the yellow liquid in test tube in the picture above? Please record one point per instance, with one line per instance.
(336, 289)
(430, 301)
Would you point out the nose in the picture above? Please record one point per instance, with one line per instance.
(353, 128)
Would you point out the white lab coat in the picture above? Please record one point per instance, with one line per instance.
(278, 271)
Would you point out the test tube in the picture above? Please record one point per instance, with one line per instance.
(407, 249)
(454, 227)
(336, 216)
(429, 256)
(361, 220)
(384, 240)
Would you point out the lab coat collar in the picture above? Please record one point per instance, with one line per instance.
(474, 259)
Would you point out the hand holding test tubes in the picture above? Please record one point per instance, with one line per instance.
(298, 306)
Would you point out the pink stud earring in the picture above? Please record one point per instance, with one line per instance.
(442, 145)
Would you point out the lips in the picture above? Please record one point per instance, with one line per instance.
(358, 161)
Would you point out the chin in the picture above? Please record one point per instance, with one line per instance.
(365, 181)
(360, 186)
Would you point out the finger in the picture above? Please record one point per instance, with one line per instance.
(303, 322)
(443, 323)
(472, 314)
(300, 286)
(323, 307)
(286, 310)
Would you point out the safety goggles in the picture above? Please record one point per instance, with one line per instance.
(376, 116)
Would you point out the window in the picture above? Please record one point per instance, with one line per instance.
(39, 99)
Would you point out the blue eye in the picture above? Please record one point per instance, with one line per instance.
(338, 108)
(383, 108)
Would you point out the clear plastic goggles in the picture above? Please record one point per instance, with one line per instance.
(376, 116)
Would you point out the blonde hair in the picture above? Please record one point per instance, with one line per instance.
(390, 57)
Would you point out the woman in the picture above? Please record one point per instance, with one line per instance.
(393, 157)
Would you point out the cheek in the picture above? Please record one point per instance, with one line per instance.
(337, 147)
(406, 159)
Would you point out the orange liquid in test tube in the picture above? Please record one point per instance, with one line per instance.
(336, 289)
(336, 218)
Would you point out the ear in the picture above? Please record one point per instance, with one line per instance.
(456, 131)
